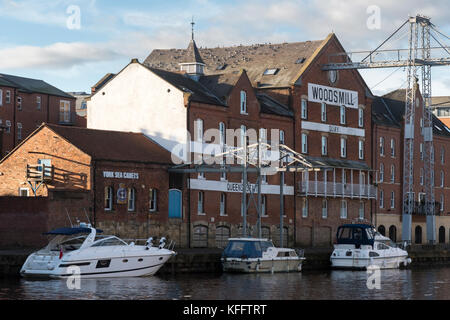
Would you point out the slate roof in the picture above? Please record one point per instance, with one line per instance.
(288, 58)
(199, 92)
(114, 145)
(31, 85)
(102, 81)
(389, 110)
(272, 106)
(192, 54)
(321, 162)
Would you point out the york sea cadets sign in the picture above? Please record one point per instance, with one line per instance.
(333, 96)
(120, 175)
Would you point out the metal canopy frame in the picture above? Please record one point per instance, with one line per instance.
(252, 161)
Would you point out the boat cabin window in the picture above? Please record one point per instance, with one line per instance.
(112, 241)
(246, 249)
(382, 246)
(67, 243)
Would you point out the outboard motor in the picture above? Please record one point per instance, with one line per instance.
(162, 242)
(149, 243)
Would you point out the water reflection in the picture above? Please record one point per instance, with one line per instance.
(334, 285)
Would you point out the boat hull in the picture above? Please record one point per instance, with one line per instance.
(364, 263)
(100, 267)
(262, 266)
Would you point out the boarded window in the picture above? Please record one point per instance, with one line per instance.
(200, 237)
(222, 235)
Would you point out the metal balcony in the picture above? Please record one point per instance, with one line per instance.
(336, 189)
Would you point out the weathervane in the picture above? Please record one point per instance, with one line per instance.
(192, 23)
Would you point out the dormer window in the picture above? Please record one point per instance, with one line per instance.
(271, 71)
(243, 102)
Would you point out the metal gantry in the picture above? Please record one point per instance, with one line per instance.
(420, 28)
(256, 158)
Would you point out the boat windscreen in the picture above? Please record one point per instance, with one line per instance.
(245, 249)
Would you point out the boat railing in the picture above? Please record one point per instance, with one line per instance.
(143, 242)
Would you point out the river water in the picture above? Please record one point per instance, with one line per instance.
(423, 284)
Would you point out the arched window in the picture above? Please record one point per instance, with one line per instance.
(222, 235)
(441, 234)
(243, 102)
(265, 232)
(393, 233)
(200, 237)
(418, 235)
(382, 230)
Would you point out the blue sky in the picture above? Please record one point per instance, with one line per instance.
(36, 41)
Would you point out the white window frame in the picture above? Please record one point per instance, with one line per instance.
(1, 97)
(342, 117)
(222, 130)
(305, 208)
(381, 146)
(442, 203)
(243, 104)
(19, 103)
(361, 149)
(264, 206)
(243, 134)
(324, 145)
(199, 130)
(201, 203)
(421, 151)
(304, 143)
(343, 147)
(392, 199)
(153, 201)
(392, 147)
(442, 178)
(323, 112)
(361, 210)
(381, 198)
(24, 189)
(393, 173)
(282, 135)
(344, 209)
(442, 155)
(223, 204)
(38, 102)
(131, 206)
(324, 209)
(8, 96)
(421, 181)
(304, 109)
(19, 131)
(109, 200)
(361, 117)
(64, 111)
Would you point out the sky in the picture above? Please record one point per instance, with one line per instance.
(72, 44)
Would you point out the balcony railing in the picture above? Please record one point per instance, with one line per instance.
(420, 208)
(337, 189)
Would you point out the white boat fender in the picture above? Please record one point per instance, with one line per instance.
(149, 243)
(162, 242)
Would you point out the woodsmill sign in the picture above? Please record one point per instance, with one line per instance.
(332, 96)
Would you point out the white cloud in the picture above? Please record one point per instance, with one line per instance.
(55, 56)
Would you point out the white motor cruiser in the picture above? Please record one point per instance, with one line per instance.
(360, 246)
(259, 255)
(95, 256)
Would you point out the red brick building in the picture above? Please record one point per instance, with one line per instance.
(25, 104)
(388, 135)
(124, 174)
